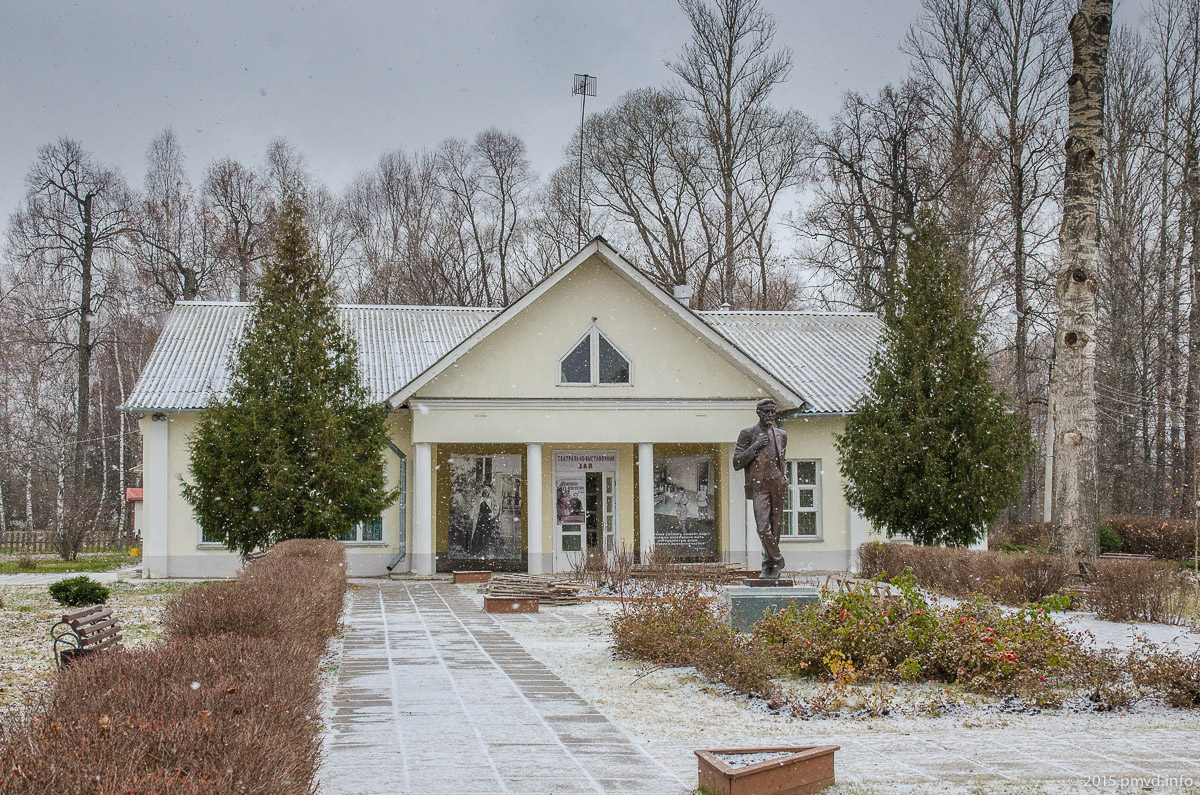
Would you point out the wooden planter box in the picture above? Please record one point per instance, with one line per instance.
(510, 604)
(472, 576)
(798, 771)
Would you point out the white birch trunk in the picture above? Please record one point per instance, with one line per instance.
(1076, 499)
(121, 478)
(103, 467)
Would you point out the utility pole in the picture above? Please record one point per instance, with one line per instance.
(584, 86)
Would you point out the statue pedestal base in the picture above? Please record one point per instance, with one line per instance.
(758, 582)
(746, 604)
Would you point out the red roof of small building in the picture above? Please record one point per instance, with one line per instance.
(133, 495)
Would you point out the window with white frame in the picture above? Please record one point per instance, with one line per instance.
(370, 531)
(364, 532)
(207, 536)
(802, 512)
(593, 361)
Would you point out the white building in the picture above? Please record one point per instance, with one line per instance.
(595, 412)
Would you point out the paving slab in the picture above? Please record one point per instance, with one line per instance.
(434, 696)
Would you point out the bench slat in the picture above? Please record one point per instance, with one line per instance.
(99, 626)
(86, 641)
(85, 614)
(112, 641)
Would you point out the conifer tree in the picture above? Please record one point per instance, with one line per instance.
(931, 452)
(295, 450)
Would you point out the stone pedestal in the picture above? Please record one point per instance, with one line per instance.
(759, 582)
(746, 604)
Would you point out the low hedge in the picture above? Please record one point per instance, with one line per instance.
(1160, 537)
(228, 702)
(1166, 539)
(1011, 578)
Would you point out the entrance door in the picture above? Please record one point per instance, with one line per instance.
(585, 527)
(600, 514)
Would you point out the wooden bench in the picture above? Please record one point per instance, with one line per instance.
(1124, 556)
(84, 632)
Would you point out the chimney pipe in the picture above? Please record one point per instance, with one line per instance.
(683, 294)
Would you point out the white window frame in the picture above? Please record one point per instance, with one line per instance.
(358, 541)
(791, 523)
(200, 542)
(593, 333)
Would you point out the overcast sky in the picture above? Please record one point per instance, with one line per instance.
(346, 81)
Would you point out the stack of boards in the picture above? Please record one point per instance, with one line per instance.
(548, 590)
(718, 573)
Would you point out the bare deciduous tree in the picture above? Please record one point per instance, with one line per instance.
(174, 234)
(75, 216)
(240, 201)
(728, 70)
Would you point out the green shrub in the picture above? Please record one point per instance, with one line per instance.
(1110, 540)
(81, 591)
(974, 644)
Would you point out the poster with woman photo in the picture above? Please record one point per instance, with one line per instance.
(485, 507)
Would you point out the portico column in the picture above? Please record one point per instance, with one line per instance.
(157, 482)
(422, 536)
(646, 498)
(533, 508)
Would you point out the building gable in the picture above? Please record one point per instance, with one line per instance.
(669, 357)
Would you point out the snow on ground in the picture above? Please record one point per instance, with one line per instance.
(672, 711)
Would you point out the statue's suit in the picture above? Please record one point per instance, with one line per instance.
(766, 486)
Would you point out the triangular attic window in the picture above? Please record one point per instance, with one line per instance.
(594, 361)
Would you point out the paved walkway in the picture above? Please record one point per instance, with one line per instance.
(434, 696)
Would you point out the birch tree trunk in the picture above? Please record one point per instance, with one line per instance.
(121, 476)
(1076, 499)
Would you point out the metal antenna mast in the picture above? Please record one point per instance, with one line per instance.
(584, 86)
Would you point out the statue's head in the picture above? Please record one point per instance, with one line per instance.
(766, 410)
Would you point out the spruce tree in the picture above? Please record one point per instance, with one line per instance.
(295, 450)
(931, 452)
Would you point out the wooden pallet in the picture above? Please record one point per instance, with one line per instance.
(548, 590)
(704, 572)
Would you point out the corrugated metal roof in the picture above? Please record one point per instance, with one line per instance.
(194, 354)
(824, 356)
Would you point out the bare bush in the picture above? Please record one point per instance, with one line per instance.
(1141, 590)
(1011, 578)
(1166, 539)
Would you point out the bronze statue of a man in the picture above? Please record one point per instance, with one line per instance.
(761, 451)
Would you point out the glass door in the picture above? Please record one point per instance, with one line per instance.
(585, 526)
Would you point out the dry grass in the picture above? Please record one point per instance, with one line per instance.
(227, 702)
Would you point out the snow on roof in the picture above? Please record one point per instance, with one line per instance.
(193, 356)
(824, 357)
